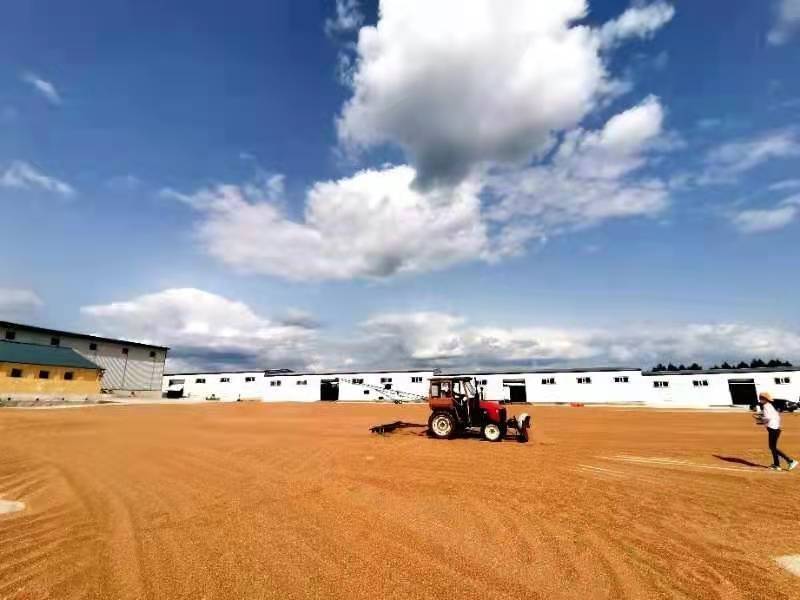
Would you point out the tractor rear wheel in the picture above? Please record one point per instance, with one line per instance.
(492, 432)
(442, 425)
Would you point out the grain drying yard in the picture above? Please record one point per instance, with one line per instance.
(252, 500)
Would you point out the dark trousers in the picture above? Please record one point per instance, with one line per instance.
(774, 434)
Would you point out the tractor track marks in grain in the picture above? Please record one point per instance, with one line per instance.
(300, 501)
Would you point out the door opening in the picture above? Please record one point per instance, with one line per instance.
(743, 392)
(329, 390)
(517, 394)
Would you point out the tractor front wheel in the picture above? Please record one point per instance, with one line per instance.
(492, 432)
(442, 425)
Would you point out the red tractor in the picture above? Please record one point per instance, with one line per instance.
(456, 407)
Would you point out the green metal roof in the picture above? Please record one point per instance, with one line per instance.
(36, 354)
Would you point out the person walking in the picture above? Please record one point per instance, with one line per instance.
(771, 419)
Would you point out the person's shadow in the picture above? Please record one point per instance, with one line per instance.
(739, 461)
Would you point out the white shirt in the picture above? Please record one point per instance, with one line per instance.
(771, 416)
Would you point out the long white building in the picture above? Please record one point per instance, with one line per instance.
(600, 385)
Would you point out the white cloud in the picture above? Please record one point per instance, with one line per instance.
(206, 330)
(446, 340)
(725, 163)
(22, 175)
(591, 178)
(460, 85)
(786, 184)
(14, 302)
(787, 22)
(767, 219)
(637, 22)
(348, 17)
(43, 87)
(373, 225)
(377, 224)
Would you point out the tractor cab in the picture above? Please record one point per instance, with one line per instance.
(456, 407)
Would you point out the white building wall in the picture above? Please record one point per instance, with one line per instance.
(289, 387)
(681, 391)
(204, 386)
(140, 369)
(602, 388)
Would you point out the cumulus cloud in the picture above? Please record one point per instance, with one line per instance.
(209, 331)
(374, 224)
(348, 17)
(205, 330)
(17, 302)
(637, 22)
(445, 340)
(462, 85)
(22, 175)
(787, 22)
(727, 162)
(591, 178)
(43, 87)
(767, 219)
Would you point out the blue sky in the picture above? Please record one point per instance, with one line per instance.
(324, 184)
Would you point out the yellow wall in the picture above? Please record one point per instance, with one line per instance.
(84, 382)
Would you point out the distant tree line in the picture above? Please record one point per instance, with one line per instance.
(756, 363)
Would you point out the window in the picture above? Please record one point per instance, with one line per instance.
(200, 380)
(16, 373)
(584, 380)
(44, 374)
(152, 353)
(700, 383)
(69, 376)
(435, 390)
(549, 381)
(366, 392)
(124, 350)
(54, 341)
(623, 379)
(11, 335)
(302, 382)
(386, 380)
(176, 381)
(661, 384)
(275, 383)
(249, 379)
(359, 381)
(483, 382)
(416, 380)
(782, 380)
(92, 346)
(224, 379)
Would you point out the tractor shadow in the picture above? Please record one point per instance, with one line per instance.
(739, 461)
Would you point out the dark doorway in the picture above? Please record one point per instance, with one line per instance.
(329, 390)
(743, 392)
(516, 391)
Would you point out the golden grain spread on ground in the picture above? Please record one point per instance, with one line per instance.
(300, 501)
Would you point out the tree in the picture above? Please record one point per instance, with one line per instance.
(726, 365)
(757, 363)
(671, 367)
(695, 367)
(659, 367)
(742, 365)
(681, 367)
